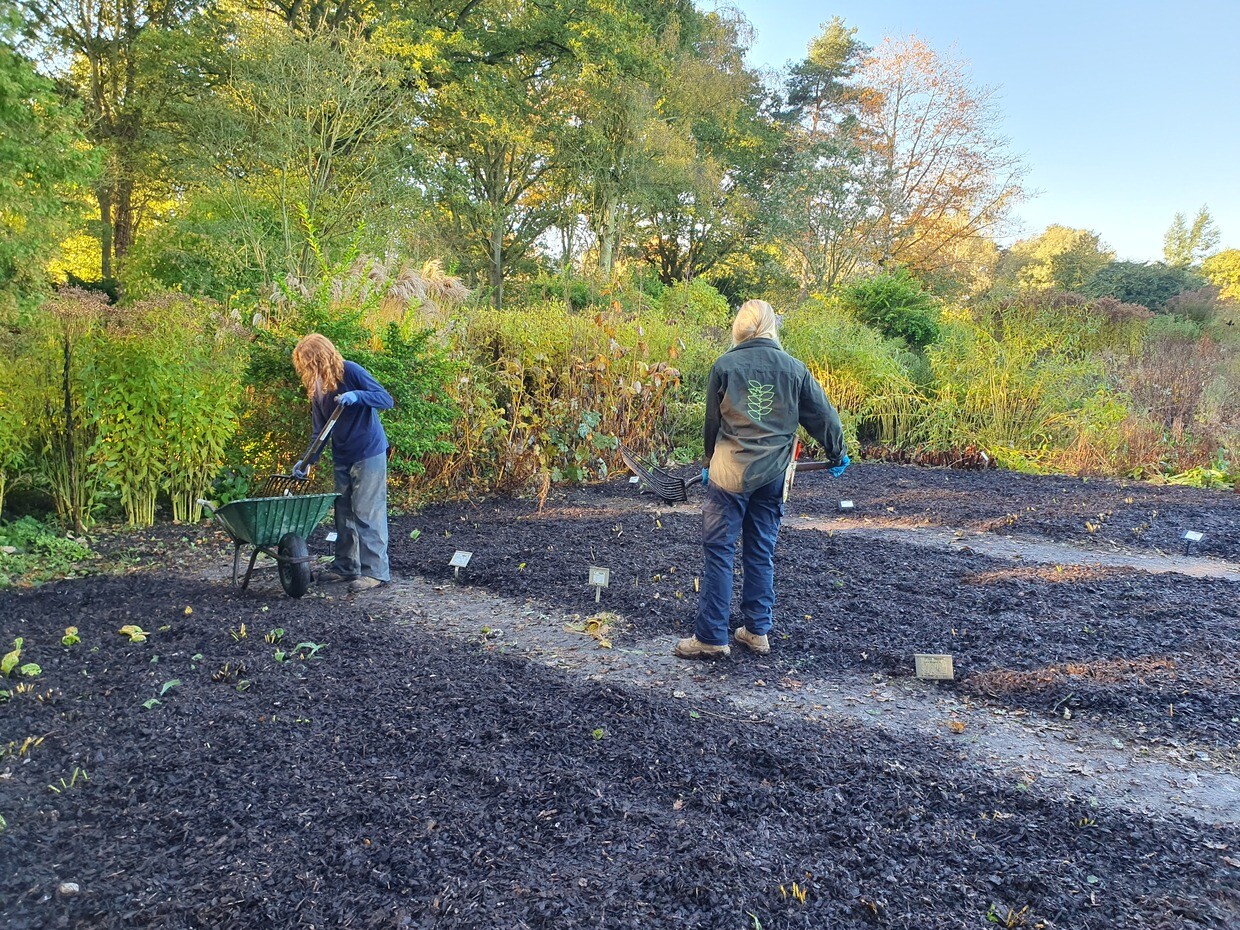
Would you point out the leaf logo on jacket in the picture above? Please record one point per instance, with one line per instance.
(761, 400)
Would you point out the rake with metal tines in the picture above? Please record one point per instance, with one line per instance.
(667, 486)
(285, 485)
(675, 490)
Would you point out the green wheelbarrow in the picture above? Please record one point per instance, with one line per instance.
(277, 526)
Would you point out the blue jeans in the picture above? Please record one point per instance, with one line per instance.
(361, 518)
(755, 518)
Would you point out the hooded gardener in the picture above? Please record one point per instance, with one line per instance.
(756, 398)
(359, 458)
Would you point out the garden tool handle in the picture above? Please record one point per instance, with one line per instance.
(317, 442)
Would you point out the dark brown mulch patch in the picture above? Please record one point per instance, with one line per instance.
(398, 781)
(848, 603)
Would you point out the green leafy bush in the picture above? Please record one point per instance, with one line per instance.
(896, 305)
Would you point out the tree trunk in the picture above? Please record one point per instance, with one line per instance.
(104, 196)
(497, 261)
(123, 220)
(607, 241)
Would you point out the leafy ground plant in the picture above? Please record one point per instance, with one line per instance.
(33, 552)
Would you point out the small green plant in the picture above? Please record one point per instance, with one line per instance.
(31, 670)
(10, 660)
(308, 650)
(135, 633)
(598, 733)
(4, 824)
(280, 655)
(169, 685)
(414, 534)
(79, 774)
(71, 637)
(274, 636)
(151, 702)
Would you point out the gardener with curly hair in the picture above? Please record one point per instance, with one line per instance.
(756, 398)
(359, 457)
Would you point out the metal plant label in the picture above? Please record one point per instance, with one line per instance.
(331, 537)
(599, 579)
(934, 666)
(634, 480)
(1193, 536)
(460, 559)
(847, 505)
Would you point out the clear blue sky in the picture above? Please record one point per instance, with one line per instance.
(1125, 112)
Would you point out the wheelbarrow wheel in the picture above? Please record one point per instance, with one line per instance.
(294, 565)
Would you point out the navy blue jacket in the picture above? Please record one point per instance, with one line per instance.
(358, 434)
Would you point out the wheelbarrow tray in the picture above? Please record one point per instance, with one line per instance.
(264, 521)
(280, 522)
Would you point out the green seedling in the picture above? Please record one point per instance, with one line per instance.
(151, 702)
(280, 655)
(169, 685)
(4, 824)
(598, 733)
(414, 534)
(78, 775)
(31, 670)
(135, 633)
(274, 636)
(10, 660)
(71, 637)
(312, 650)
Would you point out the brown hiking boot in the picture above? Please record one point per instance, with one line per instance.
(693, 648)
(330, 575)
(364, 583)
(752, 641)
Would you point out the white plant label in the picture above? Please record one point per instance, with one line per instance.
(847, 505)
(460, 559)
(634, 480)
(600, 577)
(934, 666)
(1194, 536)
(331, 537)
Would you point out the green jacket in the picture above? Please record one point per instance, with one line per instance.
(757, 396)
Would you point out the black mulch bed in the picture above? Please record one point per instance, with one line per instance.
(1159, 654)
(398, 781)
(1133, 514)
(1130, 514)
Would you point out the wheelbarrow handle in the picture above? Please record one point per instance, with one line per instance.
(210, 507)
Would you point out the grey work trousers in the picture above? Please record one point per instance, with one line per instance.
(361, 518)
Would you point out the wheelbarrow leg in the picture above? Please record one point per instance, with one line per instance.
(236, 562)
(253, 557)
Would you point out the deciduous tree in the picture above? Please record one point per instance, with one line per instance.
(947, 174)
(1185, 245)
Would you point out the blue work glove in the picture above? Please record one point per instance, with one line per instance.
(301, 470)
(838, 470)
(348, 399)
(705, 477)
